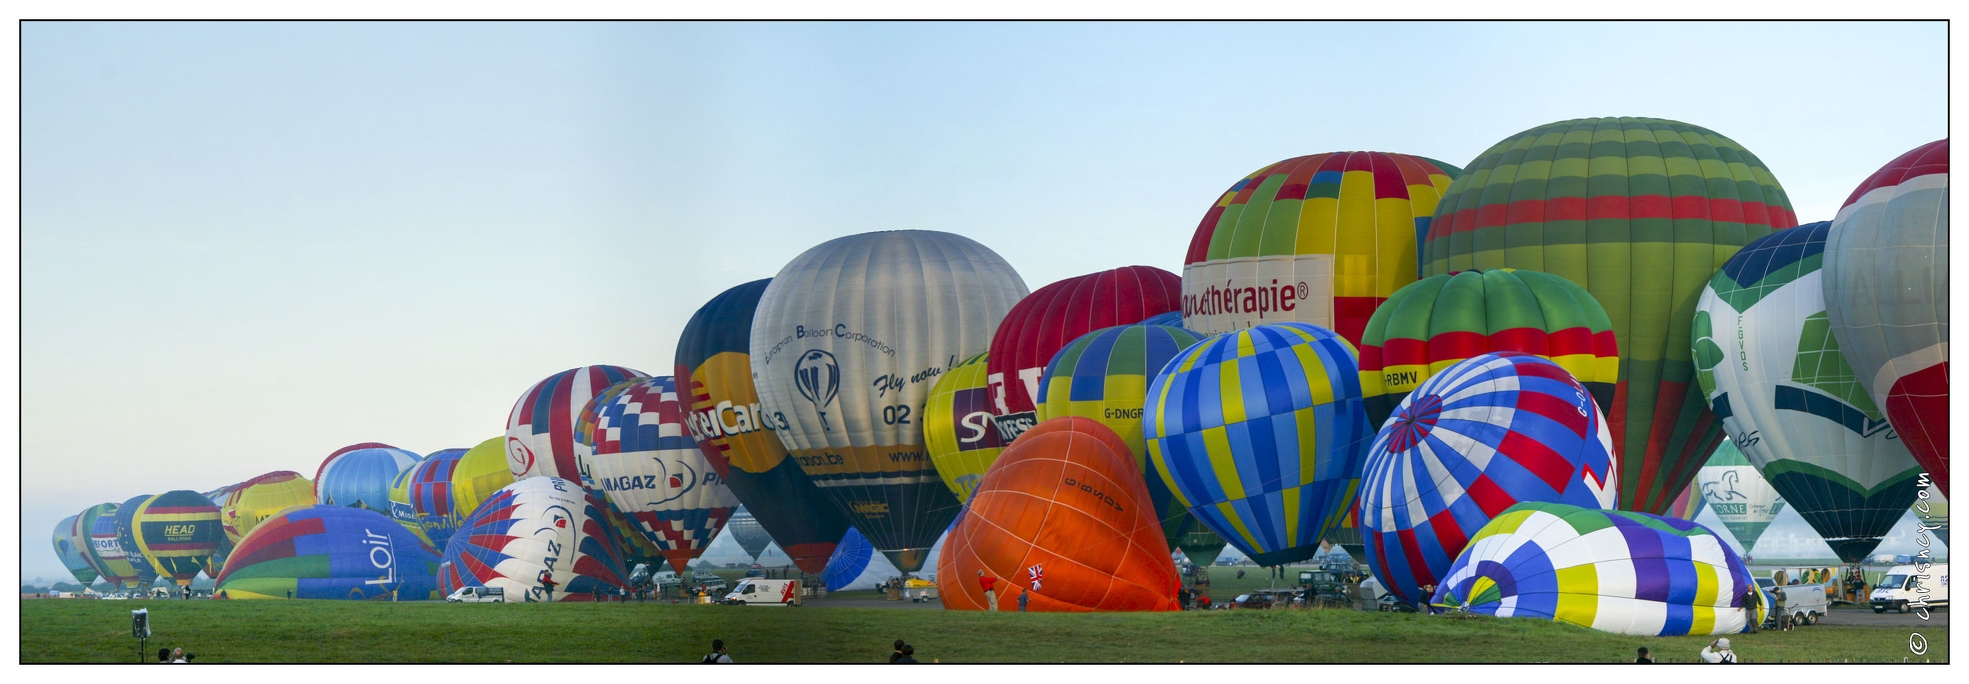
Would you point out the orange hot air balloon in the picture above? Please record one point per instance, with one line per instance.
(1065, 514)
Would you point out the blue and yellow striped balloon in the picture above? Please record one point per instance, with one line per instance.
(1261, 433)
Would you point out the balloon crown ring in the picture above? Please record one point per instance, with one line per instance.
(1414, 421)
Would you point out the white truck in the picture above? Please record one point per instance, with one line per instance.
(1908, 587)
(758, 591)
(477, 595)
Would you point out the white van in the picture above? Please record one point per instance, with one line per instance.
(477, 595)
(1906, 587)
(766, 592)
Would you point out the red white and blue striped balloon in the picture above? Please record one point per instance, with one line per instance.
(1484, 434)
(642, 460)
(540, 430)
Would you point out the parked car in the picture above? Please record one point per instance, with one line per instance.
(1905, 586)
(666, 579)
(477, 595)
(708, 580)
(756, 591)
(1258, 600)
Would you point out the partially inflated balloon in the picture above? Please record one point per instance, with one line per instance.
(1104, 375)
(857, 566)
(1886, 294)
(714, 366)
(330, 552)
(1320, 239)
(417, 492)
(1689, 503)
(1261, 433)
(1640, 212)
(846, 343)
(646, 465)
(260, 498)
(1771, 368)
(82, 535)
(750, 536)
(1614, 571)
(1483, 435)
(177, 532)
(1200, 545)
(218, 498)
(540, 430)
(957, 427)
(71, 556)
(115, 564)
(360, 478)
(1740, 497)
(126, 538)
(1065, 516)
(1440, 320)
(530, 533)
(1045, 321)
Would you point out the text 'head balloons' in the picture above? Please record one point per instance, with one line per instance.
(714, 377)
(1614, 571)
(1065, 516)
(1045, 321)
(178, 531)
(1483, 435)
(1886, 295)
(846, 343)
(1640, 212)
(540, 430)
(1771, 368)
(1260, 433)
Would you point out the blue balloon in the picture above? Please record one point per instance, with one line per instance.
(361, 478)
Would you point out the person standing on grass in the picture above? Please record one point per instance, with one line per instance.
(990, 585)
(1641, 656)
(718, 654)
(1023, 597)
(1718, 651)
(1750, 600)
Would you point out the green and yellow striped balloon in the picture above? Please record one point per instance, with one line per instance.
(1640, 212)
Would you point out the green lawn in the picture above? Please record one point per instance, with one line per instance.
(68, 631)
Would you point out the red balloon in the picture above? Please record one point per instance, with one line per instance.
(1055, 315)
(1063, 513)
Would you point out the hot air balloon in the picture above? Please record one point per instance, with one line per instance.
(1440, 320)
(540, 431)
(1731, 486)
(1689, 503)
(444, 493)
(1261, 433)
(1886, 297)
(1172, 319)
(1640, 212)
(1771, 368)
(126, 539)
(177, 531)
(847, 341)
(360, 478)
(856, 565)
(1051, 317)
(318, 551)
(958, 429)
(115, 565)
(81, 535)
(750, 536)
(1104, 375)
(72, 557)
(1491, 431)
(530, 532)
(1200, 545)
(647, 466)
(416, 488)
(714, 365)
(1320, 239)
(1614, 571)
(218, 498)
(259, 498)
(1064, 515)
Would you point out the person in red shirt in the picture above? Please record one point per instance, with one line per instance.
(990, 585)
(547, 582)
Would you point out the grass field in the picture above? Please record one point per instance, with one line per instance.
(82, 631)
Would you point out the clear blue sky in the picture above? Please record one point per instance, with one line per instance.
(245, 245)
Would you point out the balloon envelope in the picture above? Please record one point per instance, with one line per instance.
(540, 430)
(1886, 290)
(530, 532)
(116, 566)
(1731, 486)
(126, 538)
(1614, 571)
(1052, 316)
(1320, 239)
(846, 342)
(177, 532)
(1065, 515)
(1440, 320)
(958, 429)
(1640, 212)
(360, 478)
(1772, 369)
(1486, 433)
(715, 366)
(417, 490)
(646, 465)
(72, 557)
(856, 565)
(260, 498)
(750, 536)
(318, 551)
(1104, 375)
(1261, 433)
